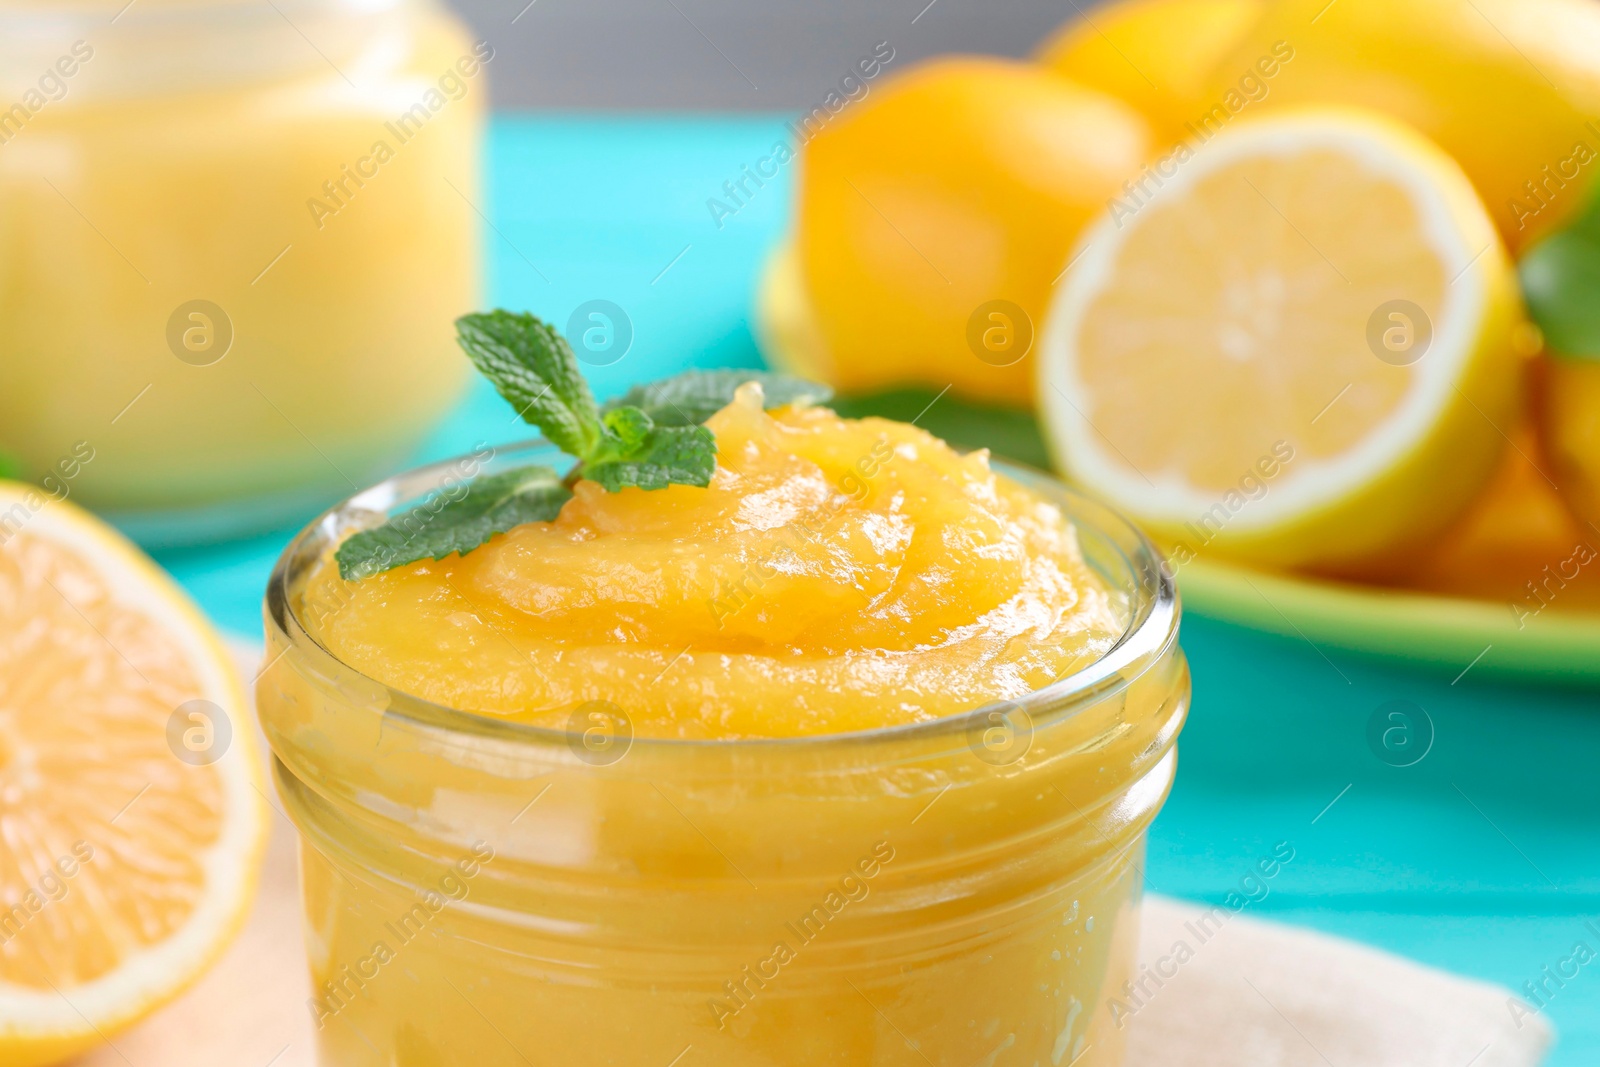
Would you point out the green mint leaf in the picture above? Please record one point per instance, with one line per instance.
(1561, 283)
(669, 455)
(692, 397)
(446, 523)
(629, 428)
(649, 439)
(1587, 221)
(636, 452)
(532, 366)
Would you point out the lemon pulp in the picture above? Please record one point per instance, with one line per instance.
(132, 822)
(1297, 348)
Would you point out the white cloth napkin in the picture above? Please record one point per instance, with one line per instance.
(1252, 994)
(1267, 995)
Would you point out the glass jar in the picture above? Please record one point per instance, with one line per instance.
(953, 893)
(233, 239)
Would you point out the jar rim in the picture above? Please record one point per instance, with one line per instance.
(1147, 639)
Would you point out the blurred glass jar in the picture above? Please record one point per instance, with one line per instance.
(233, 239)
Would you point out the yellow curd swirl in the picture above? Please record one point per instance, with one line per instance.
(835, 575)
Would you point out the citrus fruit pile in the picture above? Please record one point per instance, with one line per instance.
(1305, 285)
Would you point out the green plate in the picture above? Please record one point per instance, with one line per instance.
(1454, 634)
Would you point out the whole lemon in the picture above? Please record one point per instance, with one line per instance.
(1570, 421)
(934, 217)
(1517, 527)
(1157, 55)
(1510, 88)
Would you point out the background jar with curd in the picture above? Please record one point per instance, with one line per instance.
(233, 238)
(953, 892)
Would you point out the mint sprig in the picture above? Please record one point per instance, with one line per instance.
(532, 366)
(649, 438)
(653, 457)
(446, 523)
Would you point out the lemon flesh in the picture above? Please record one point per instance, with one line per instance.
(1298, 348)
(133, 825)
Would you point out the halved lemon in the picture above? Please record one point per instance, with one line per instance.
(1295, 343)
(131, 823)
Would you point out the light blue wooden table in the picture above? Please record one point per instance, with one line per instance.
(1484, 858)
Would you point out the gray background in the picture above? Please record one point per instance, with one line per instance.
(728, 54)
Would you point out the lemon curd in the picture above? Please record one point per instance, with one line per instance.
(845, 758)
(205, 206)
(835, 575)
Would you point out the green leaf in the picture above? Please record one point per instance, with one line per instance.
(1561, 283)
(446, 523)
(692, 397)
(647, 445)
(533, 367)
(670, 455)
(1587, 222)
(636, 452)
(10, 465)
(628, 427)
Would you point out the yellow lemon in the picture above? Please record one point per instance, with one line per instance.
(785, 323)
(934, 217)
(128, 784)
(1157, 55)
(1570, 419)
(1517, 536)
(1510, 88)
(1298, 350)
